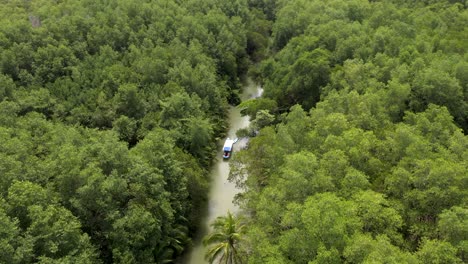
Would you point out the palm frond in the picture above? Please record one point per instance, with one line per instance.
(225, 238)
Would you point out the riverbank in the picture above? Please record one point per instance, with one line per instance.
(222, 192)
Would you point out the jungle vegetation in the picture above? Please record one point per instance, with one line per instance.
(359, 151)
(110, 112)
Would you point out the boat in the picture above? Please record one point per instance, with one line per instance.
(227, 148)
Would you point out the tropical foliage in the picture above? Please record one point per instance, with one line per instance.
(110, 111)
(364, 155)
(225, 241)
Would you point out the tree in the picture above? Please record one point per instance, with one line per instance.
(135, 236)
(377, 217)
(199, 137)
(330, 220)
(324, 220)
(325, 256)
(225, 240)
(14, 248)
(300, 178)
(126, 127)
(252, 106)
(57, 235)
(307, 75)
(299, 78)
(433, 86)
(262, 119)
(128, 101)
(453, 227)
(437, 252)
(7, 86)
(24, 194)
(363, 248)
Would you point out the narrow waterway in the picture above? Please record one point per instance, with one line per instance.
(222, 191)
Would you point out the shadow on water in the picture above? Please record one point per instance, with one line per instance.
(222, 192)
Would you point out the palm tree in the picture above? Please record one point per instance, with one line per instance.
(225, 240)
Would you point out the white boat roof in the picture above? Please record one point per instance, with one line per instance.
(228, 143)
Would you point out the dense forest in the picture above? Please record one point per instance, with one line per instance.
(360, 152)
(110, 113)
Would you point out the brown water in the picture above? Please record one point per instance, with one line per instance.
(222, 191)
